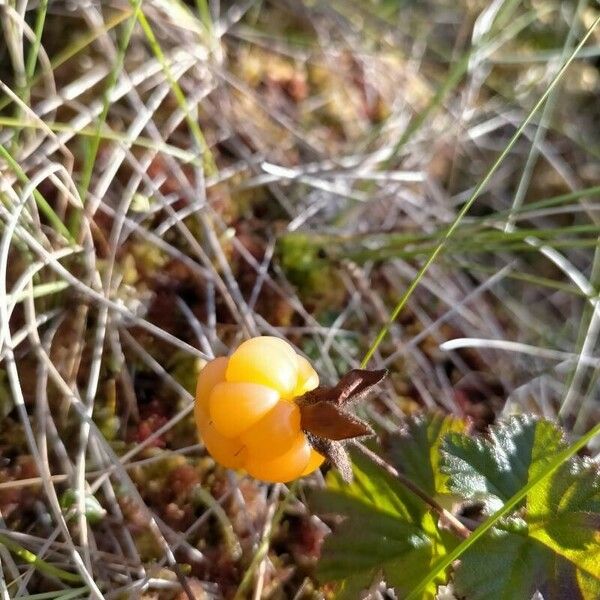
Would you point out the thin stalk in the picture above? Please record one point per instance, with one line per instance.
(586, 340)
(442, 513)
(38, 291)
(59, 594)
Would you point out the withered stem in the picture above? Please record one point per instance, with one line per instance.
(444, 514)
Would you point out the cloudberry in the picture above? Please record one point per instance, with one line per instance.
(246, 413)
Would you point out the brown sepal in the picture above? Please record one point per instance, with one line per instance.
(326, 420)
(353, 386)
(326, 423)
(335, 453)
(356, 384)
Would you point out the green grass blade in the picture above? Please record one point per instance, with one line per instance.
(40, 19)
(39, 291)
(474, 196)
(43, 205)
(209, 163)
(73, 49)
(107, 134)
(452, 80)
(204, 14)
(530, 279)
(40, 564)
(92, 151)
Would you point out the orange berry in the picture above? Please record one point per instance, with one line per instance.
(314, 462)
(307, 377)
(279, 344)
(212, 373)
(275, 433)
(286, 467)
(245, 411)
(265, 360)
(229, 452)
(235, 407)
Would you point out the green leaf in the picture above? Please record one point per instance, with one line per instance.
(386, 531)
(503, 566)
(492, 470)
(415, 450)
(564, 513)
(556, 553)
(551, 544)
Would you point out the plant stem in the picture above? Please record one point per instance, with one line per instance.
(444, 514)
